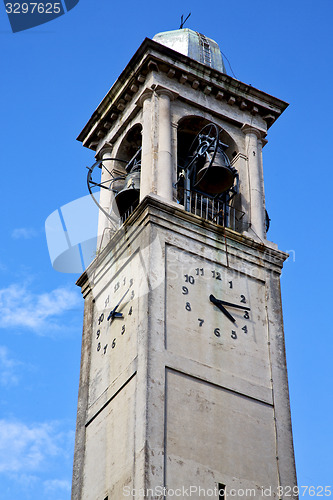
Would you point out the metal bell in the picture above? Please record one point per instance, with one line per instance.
(217, 177)
(129, 195)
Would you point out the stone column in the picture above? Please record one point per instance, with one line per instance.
(256, 193)
(261, 143)
(164, 164)
(146, 181)
(105, 199)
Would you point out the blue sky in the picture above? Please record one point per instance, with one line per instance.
(52, 79)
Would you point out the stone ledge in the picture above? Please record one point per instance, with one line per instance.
(155, 210)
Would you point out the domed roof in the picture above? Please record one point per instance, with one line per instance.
(194, 45)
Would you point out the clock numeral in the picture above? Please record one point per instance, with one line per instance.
(124, 281)
(188, 306)
(98, 346)
(189, 279)
(230, 284)
(130, 311)
(199, 271)
(105, 348)
(98, 334)
(233, 334)
(123, 330)
(132, 295)
(201, 321)
(243, 299)
(246, 315)
(216, 275)
(217, 332)
(185, 290)
(131, 282)
(107, 300)
(113, 345)
(244, 329)
(116, 287)
(101, 318)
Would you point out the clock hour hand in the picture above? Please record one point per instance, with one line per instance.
(218, 304)
(113, 314)
(238, 306)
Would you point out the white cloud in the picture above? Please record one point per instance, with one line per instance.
(25, 233)
(29, 448)
(8, 368)
(26, 481)
(19, 307)
(57, 484)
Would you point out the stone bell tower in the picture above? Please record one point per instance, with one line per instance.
(183, 385)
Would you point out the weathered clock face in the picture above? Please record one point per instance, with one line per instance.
(115, 322)
(216, 315)
(111, 321)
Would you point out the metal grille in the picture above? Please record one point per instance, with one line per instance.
(128, 213)
(211, 209)
(214, 210)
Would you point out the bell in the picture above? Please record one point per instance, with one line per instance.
(129, 195)
(217, 177)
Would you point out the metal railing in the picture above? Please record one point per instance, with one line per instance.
(128, 212)
(213, 209)
(209, 208)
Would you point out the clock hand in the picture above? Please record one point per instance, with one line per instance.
(233, 305)
(113, 314)
(218, 304)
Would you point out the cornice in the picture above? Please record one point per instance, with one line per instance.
(154, 57)
(152, 209)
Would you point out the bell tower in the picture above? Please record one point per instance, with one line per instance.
(183, 385)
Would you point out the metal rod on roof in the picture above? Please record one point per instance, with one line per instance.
(182, 22)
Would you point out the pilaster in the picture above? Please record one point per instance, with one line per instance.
(165, 159)
(256, 194)
(148, 146)
(105, 198)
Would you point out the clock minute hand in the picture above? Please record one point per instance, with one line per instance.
(218, 304)
(113, 314)
(238, 306)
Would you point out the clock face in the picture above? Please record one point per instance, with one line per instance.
(216, 315)
(115, 322)
(111, 321)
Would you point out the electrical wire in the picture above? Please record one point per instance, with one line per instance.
(225, 57)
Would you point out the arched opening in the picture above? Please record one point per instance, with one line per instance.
(129, 171)
(206, 181)
(131, 143)
(188, 128)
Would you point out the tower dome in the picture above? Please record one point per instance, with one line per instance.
(194, 45)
